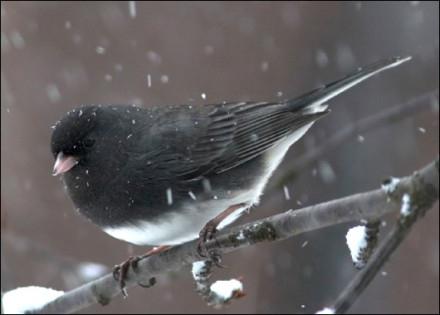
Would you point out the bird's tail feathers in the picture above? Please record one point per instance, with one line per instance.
(314, 100)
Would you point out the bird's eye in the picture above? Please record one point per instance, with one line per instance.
(88, 142)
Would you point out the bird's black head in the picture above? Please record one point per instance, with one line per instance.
(73, 137)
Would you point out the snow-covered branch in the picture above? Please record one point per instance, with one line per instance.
(218, 293)
(422, 188)
(410, 211)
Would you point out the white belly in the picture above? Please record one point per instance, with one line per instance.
(184, 226)
(177, 228)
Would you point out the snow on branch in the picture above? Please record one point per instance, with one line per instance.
(415, 199)
(218, 293)
(27, 300)
(361, 241)
(357, 242)
(422, 186)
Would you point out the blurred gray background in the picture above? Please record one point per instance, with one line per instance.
(55, 56)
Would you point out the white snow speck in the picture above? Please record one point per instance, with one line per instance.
(100, 50)
(198, 267)
(68, 25)
(149, 80)
(226, 289)
(304, 244)
(129, 136)
(118, 67)
(326, 171)
(53, 93)
(303, 306)
(164, 78)
(208, 50)
(154, 57)
(384, 273)
(90, 270)
(191, 194)
(108, 77)
(206, 185)
(169, 196)
(203, 95)
(422, 130)
(17, 39)
(321, 58)
(345, 57)
(279, 94)
(133, 121)
(326, 310)
(80, 113)
(241, 236)
(264, 66)
(405, 210)
(28, 299)
(286, 193)
(390, 185)
(360, 138)
(132, 9)
(356, 241)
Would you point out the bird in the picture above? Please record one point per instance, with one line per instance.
(164, 175)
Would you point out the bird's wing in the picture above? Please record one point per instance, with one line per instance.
(259, 127)
(190, 143)
(194, 143)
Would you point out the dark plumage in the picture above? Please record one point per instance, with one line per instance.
(156, 175)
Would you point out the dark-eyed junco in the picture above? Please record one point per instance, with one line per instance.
(157, 175)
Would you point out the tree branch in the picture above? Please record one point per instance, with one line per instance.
(384, 117)
(425, 199)
(423, 187)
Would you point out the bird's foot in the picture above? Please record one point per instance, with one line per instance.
(207, 234)
(120, 271)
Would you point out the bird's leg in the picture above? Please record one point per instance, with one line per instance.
(209, 230)
(120, 271)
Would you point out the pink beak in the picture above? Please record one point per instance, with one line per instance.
(63, 164)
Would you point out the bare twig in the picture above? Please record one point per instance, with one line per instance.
(423, 186)
(382, 118)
